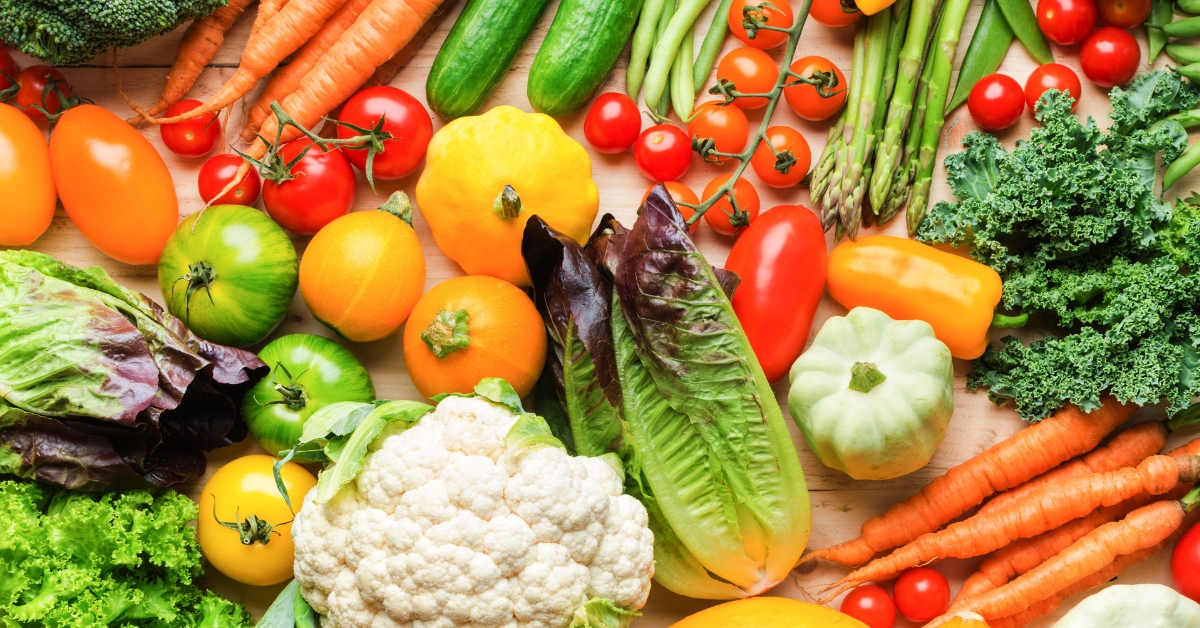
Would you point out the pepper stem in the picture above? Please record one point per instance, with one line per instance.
(400, 206)
(447, 332)
(864, 376)
(1003, 321)
(507, 203)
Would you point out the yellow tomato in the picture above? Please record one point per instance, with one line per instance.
(769, 612)
(28, 202)
(242, 494)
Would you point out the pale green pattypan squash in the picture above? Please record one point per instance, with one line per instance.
(873, 395)
(1134, 606)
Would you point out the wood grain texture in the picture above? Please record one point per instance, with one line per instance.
(840, 504)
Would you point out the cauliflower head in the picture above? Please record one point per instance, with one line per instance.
(450, 525)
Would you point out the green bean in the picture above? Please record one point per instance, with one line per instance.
(1187, 27)
(713, 40)
(1181, 166)
(1191, 71)
(988, 46)
(668, 44)
(1183, 54)
(1021, 19)
(643, 40)
(1160, 14)
(683, 94)
(1189, 6)
(660, 106)
(1188, 119)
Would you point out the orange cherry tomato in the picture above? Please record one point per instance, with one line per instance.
(113, 184)
(725, 125)
(777, 14)
(789, 145)
(721, 216)
(832, 13)
(751, 71)
(680, 193)
(25, 177)
(806, 100)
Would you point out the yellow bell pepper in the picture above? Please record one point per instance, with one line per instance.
(769, 612)
(871, 7)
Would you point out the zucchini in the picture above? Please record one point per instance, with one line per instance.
(478, 53)
(579, 52)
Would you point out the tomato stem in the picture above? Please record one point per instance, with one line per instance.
(292, 393)
(251, 530)
(200, 275)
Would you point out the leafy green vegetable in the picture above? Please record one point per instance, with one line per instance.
(289, 610)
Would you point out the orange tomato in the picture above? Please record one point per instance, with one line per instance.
(784, 140)
(751, 71)
(776, 14)
(680, 193)
(113, 184)
(721, 215)
(28, 202)
(806, 100)
(363, 272)
(469, 328)
(833, 13)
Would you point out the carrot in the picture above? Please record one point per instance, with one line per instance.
(267, 9)
(386, 72)
(1023, 456)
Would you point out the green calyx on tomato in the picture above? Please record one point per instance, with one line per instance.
(447, 332)
(251, 530)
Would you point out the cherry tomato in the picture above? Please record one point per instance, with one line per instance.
(778, 14)
(403, 116)
(725, 125)
(751, 71)
(1124, 13)
(996, 102)
(806, 100)
(1110, 56)
(8, 73)
(869, 603)
(680, 193)
(613, 123)
(721, 216)
(1051, 76)
(790, 145)
(663, 152)
(190, 138)
(832, 13)
(1185, 564)
(322, 190)
(1066, 22)
(218, 171)
(33, 95)
(922, 594)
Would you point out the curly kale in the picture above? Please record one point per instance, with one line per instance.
(1070, 221)
(70, 32)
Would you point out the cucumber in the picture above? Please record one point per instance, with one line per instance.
(579, 52)
(478, 52)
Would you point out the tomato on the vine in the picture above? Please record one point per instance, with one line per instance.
(791, 151)
(1185, 564)
(8, 75)
(833, 13)
(807, 100)
(36, 93)
(1110, 56)
(322, 188)
(1066, 22)
(613, 123)
(680, 193)
(922, 594)
(403, 116)
(870, 604)
(191, 138)
(777, 14)
(1051, 76)
(751, 71)
(218, 171)
(725, 125)
(996, 102)
(1124, 13)
(721, 216)
(663, 152)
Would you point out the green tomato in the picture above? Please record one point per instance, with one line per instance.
(229, 272)
(307, 373)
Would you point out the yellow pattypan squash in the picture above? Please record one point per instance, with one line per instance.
(966, 620)
(769, 612)
(486, 175)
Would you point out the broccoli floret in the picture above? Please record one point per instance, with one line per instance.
(70, 32)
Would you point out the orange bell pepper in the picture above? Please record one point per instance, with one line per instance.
(871, 7)
(908, 280)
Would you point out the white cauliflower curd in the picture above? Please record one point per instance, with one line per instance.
(450, 525)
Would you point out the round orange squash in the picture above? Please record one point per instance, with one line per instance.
(769, 612)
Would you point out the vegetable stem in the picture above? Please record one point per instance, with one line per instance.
(864, 375)
(850, 207)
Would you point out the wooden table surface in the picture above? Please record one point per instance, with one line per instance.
(840, 504)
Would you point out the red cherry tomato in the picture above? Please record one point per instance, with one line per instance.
(721, 215)
(996, 102)
(1066, 22)
(725, 125)
(403, 116)
(8, 73)
(779, 15)
(218, 171)
(1051, 76)
(1124, 13)
(680, 193)
(1185, 564)
(32, 94)
(833, 13)
(751, 71)
(1110, 56)
(322, 190)
(869, 603)
(784, 140)
(663, 152)
(806, 100)
(922, 594)
(190, 138)
(613, 123)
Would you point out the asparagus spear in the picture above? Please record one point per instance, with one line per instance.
(900, 15)
(902, 177)
(850, 203)
(825, 185)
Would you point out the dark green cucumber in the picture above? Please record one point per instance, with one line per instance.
(579, 52)
(478, 52)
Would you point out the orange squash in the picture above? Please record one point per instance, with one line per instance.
(362, 273)
(469, 328)
(769, 612)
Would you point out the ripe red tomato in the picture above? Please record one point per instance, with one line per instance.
(663, 152)
(996, 102)
(403, 116)
(832, 13)
(922, 594)
(1185, 564)
(613, 123)
(8, 74)
(1124, 13)
(869, 603)
(1051, 76)
(1110, 56)
(725, 125)
(32, 96)
(806, 100)
(190, 138)
(218, 171)
(751, 71)
(680, 193)
(1066, 22)
(721, 216)
(784, 140)
(322, 190)
(778, 14)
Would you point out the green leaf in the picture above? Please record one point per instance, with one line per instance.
(351, 454)
(528, 433)
(601, 613)
(499, 391)
(282, 612)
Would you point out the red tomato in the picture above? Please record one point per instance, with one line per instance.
(922, 594)
(322, 190)
(680, 193)
(751, 71)
(785, 140)
(8, 74)
(869, 603)
(1124, 13)
(403, 116)
(613, 123)
(1110, 56)
(1185, 564)
(806, 100)
(725, 125)
(190, 138)
(721, 216)
(781, 259)
(996, 102)
(663, 152)
(1051, 76)
(778, 14)
(1066, 22)
(832, 13)
(218, 171)
(32, 95)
